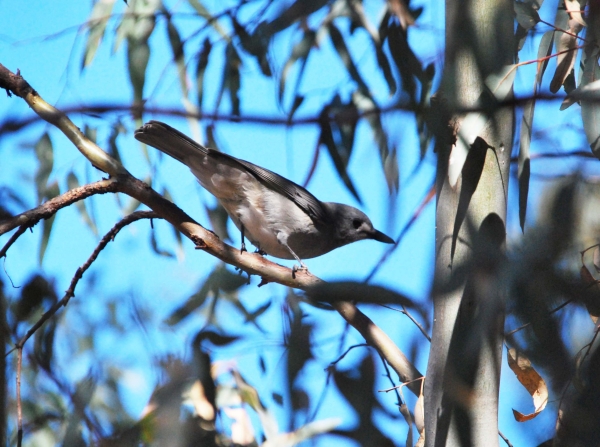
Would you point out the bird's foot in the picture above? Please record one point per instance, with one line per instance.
(261, 252)
(299, 268)
(243, 247)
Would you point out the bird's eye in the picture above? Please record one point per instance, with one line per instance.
(356, 223)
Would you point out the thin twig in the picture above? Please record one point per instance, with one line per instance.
(407, 313)
(346, 353)
(49, 208)
(13, 239)
(19, 405)
(81, 270)
(505, 439)
(556, 309)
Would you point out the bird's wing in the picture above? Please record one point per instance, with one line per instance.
(296, 193)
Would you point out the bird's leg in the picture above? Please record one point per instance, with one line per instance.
(282, 239)
(296, 268)
(243, 247)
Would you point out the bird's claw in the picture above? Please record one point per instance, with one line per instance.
(299, 268)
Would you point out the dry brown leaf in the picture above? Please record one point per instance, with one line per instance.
(531, 380)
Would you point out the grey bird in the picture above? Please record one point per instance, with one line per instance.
(279, 217)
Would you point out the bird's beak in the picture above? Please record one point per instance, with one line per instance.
(379, 236)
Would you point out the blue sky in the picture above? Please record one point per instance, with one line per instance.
(44, 40)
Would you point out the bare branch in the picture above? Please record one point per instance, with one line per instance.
(48, 209)
(204, 239)
(70, 292)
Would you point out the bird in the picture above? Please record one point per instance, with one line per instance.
(280, 218)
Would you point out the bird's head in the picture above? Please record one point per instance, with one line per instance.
(353, 225)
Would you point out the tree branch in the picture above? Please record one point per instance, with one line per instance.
(204, 239)
(48, 209)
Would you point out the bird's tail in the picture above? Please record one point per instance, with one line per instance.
(168, 140)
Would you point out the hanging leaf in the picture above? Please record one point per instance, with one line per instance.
(472, 125)
(340, 46)
(177, 48)
(113, 150)
(299, 52)
(531, 380)
(138, 55)
(231, 78)
(524, 167)
(45, 155)
(567, 47)
(590, 104)
(339, 140)
(408, 64)
(220, 280)
(101, 13)
(72, 183)
(250, 396)
(138, 26)
(544, 50)
(366, 105)
(51, 192)
(34, 294)
(201, 69)
(205, 14)
(400, 10)
(526, 14)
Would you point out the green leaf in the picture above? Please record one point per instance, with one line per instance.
(524, 168)
(544, 50)
(205, 14)
(299, 52)
(45, 155)
(201, 69)
(101, 13)
(113, 150)
(231, 78)
(590, 104)
(43, 347)
(138, 55)
(338, 42)
(367, 106)
(51, 192)
(406, 61)
(527, 16)
(178, 53)
(297, 10)
(565, 61)
(220, 280)
(33, 295)
(338, 138)
(72, 183)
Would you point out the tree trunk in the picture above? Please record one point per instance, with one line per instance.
(461, 388)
